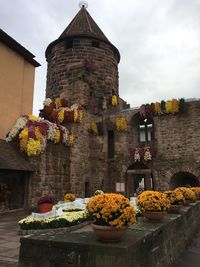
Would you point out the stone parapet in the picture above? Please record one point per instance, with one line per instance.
(145, 244)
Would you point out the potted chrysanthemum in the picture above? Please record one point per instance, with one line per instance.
(45, 203)
(196, 190)
(176, 199)
(188, 194)
(69, 197)
(111, 214)
(153, 204)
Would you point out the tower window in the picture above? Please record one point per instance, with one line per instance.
(146, 131)
(111, 144)
(68, 44)
(95, 44)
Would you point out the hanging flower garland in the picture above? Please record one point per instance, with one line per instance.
(144, 153)
(93, 129)
(58, 111)
(33, 132)
(173, 106)
(121, 124)
(114, 101)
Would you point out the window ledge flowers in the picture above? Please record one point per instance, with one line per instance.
(109, 209)
(144, 153)
(152, 201)
(33, 132)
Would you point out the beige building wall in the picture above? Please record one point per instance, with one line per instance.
(16, 88)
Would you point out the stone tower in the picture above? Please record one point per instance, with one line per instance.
(82, 63)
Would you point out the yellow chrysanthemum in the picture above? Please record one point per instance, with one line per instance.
(114, 100)
(111, 209)
(94, 129)
(38, 134)
(32, 118)
(175, 106)
(33, 147)
(157, 108)
(168, 106)
(24, 133)
(23, 144)
(121, 124)
(71, 139)
(57, 137)
(152, 201)
(61, 115)
(58, 102)
(75, 115)
(80, 115)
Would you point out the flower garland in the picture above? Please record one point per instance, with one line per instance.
(144, 153)
(57, 110)
(33, 133)
(173, 106)
(93, 129)
(122, 124)
(114, 101)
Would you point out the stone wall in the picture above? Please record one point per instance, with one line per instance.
(175, 139)
(68, 73)
(52, 174)
(144, 245)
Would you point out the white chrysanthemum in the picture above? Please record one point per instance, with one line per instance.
(47, 102)
(20, 123)
(74, 107)
(51, 133)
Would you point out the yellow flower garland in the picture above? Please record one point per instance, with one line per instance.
(121, 124)
(114, 100)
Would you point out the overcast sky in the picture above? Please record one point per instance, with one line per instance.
(159, 42)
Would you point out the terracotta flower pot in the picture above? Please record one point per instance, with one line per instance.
(155, 216)
(45, 207)
(174, 208)
(108, 233)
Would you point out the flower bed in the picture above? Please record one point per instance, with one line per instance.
(67, 219)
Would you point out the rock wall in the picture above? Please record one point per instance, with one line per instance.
(144, 245)
(68, 72)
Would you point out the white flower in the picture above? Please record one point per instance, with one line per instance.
(47, 102)
(20, 123)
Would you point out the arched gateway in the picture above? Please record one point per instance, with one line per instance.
(184, 179)
(138, 178)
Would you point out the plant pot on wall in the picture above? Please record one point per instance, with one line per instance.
(108, 233)
(45, 207)
(175, 208)
(154, 216)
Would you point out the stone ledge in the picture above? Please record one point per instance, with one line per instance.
(144, 245)
(53, 230)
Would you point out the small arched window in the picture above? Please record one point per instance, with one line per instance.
(95, 44)
(69, 44)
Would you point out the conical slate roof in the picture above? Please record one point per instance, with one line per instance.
(83, 25)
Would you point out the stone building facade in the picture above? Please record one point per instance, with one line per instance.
(83, 68)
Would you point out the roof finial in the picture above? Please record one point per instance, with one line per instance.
(83, 4)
